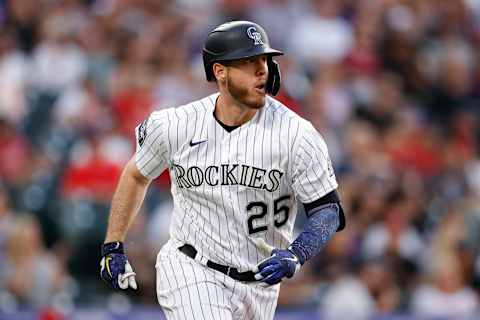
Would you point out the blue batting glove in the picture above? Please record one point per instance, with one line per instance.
(115, 268)
(282, 263)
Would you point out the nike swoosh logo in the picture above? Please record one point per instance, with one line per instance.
(107, 263)
(196, 142)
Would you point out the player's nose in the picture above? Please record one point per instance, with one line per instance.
(262, 70)
(261, 66)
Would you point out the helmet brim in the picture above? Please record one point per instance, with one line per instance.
(241, 54)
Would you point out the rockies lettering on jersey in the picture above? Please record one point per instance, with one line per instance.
(228, 174)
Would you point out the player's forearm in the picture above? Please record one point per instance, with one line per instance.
(318, 230)
(126, 202)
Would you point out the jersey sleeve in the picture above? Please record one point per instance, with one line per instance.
(312, 174)
(152, 147)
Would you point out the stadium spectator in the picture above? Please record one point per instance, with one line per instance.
(33, 275)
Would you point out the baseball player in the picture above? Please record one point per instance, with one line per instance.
(239, 160)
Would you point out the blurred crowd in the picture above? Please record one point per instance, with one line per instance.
(393, 85)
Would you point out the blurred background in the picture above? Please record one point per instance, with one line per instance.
(393, 85)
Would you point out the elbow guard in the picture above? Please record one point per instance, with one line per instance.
(329, 199)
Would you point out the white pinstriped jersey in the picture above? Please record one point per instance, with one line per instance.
(235, 192)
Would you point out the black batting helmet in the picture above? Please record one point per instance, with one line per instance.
(237, 40)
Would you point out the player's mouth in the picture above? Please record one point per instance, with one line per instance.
(260, 88)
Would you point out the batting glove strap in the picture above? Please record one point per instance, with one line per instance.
(112, 247)
(293, 266)
(298, 253)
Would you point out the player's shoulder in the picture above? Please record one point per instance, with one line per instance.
(194, 108)
(302, 130)
(186, 111)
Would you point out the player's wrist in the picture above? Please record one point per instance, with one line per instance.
(112, 247)
(297, 253)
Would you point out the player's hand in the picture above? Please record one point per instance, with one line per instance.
(115, 268)
(282, 263)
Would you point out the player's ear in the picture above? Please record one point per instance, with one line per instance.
(219, 71)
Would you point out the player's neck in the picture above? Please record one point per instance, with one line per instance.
(231, 113)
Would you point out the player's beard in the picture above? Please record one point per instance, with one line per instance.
(242, 95)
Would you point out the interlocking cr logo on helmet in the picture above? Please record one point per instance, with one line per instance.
(253, 34)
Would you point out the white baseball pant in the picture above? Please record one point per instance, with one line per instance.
(187, 289)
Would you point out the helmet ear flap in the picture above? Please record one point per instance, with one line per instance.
(209, 73)
(207, 64)
(274, 77)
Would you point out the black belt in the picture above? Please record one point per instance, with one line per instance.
(247, 276)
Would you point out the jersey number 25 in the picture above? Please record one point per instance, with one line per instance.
(280, 214)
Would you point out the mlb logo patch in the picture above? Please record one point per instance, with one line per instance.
(142, 132)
